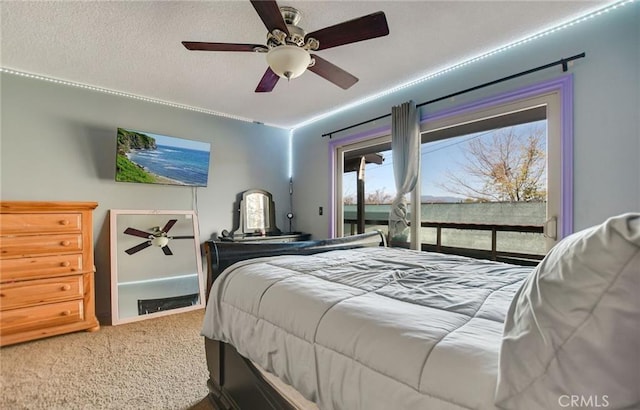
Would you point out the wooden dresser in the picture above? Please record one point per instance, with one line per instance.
(46, 269)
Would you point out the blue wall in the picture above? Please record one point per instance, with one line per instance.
(59, 142)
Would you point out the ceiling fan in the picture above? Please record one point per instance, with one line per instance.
(158, 237)
(289, 48)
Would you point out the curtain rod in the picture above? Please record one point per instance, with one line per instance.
(565, 66)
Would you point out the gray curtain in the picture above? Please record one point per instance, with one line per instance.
(405, 147)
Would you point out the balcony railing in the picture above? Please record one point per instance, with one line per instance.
(492, 254)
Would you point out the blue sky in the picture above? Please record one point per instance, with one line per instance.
(437, 158)
(178, 142)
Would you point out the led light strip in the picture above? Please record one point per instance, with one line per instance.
(290, 169)
(427, 77)
(121, 94)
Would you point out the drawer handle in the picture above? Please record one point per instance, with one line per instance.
(65, 313)
(65, 264)
(65, 243)
(65, 287)
(64, 222)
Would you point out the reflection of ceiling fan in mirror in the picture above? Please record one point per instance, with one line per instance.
(289, 47)
(158, 237)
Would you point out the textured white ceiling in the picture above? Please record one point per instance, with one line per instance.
(134, 47)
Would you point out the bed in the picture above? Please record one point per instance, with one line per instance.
(350, 323)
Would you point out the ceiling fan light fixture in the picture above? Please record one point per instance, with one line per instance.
(288, 61)
(160, 241)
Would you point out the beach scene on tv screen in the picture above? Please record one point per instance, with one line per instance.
(159, 159)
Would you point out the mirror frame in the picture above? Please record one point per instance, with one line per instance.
(120, 242)
(269, 216)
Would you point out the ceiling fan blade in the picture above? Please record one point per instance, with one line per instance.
(268, 81)
(169, 225)
(359, 29)
(332, 73)
(138, 248)
(136, 232)
(166, 250)
(269, 12)
(180, 237)
(201, 46)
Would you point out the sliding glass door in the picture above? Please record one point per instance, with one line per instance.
(495, 177)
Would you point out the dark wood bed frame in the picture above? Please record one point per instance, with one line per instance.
(234, 383)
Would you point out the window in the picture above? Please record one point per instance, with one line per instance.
(365, 186)
(534, 123)
(491, 173)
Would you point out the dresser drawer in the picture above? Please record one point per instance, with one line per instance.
(39, 267)
(21, 294)
(40, 223)
(39, 317)
(19, 246)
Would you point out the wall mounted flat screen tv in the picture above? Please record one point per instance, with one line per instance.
(150, 158)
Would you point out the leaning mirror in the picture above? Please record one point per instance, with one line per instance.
(156, 268)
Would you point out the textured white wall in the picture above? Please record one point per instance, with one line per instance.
(606, 115)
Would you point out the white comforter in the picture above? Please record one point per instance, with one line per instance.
(370, 328)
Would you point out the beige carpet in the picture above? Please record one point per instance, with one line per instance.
(152, 364)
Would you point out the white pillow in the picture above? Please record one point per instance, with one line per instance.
(572, 334)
